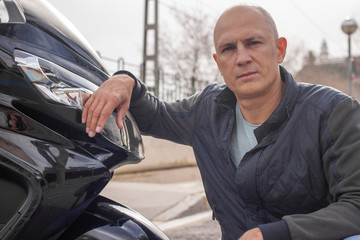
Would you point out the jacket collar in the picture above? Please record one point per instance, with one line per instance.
(226, 98)
(283, 110)
(281, 113)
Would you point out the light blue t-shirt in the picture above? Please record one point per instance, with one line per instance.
(243, 138)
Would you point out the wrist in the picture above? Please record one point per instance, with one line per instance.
(128, 75)
(125, 80)
(139, 89)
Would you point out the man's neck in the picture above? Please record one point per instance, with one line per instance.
(257, 110)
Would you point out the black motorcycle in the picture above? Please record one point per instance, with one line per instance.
(51, 172)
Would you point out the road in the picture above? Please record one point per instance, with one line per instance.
(208, 230)
(198, 229)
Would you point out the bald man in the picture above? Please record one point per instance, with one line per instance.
(277, 159)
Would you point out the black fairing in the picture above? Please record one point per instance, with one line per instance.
(50, 36)
(50, 171)
(109, 220)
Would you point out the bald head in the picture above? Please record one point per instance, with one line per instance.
(235, 13)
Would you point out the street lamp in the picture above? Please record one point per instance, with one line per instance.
(349, 26)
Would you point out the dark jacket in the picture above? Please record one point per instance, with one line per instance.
(301, 180)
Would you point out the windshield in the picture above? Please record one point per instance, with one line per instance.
(11, 12)
(4, 15)
(45, 15)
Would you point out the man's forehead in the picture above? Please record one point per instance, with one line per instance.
(238, 14)
(237, 18)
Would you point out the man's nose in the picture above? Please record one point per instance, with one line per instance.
(243, 56)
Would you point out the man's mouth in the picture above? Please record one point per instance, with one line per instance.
(246, 74)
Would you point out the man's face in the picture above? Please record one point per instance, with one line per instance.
(247, 53)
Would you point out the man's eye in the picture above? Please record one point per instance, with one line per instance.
(227, 49)
(252, 43)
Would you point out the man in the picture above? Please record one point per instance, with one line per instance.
(279, 160)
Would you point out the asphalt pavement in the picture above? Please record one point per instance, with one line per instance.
(173, 199)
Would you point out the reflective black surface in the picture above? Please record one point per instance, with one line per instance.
(51, 172)
(48, 35)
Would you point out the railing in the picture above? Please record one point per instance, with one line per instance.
(172, 85)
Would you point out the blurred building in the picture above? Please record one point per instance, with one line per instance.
(330, 72)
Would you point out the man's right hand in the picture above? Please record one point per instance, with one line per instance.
(114, 93)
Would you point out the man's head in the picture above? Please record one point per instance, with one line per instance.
(248, 51)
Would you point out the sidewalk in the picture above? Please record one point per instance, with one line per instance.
(161, 154)
(168, 198)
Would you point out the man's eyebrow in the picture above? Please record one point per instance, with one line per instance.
(248, 39)
(252, 38)
(226, 44)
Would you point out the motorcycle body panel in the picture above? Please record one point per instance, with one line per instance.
(51, 172)
(106, 219)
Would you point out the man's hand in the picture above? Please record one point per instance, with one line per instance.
(115, 93)
(252, 234)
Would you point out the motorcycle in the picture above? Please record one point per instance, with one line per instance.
(51, 172)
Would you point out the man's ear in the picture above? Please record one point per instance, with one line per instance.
(217, 63)
(281, 46)
(215, 58)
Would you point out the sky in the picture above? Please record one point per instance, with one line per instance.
(115, 27)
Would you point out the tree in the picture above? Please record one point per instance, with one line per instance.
(187, 48)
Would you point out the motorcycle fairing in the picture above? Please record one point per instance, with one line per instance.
(106, 219)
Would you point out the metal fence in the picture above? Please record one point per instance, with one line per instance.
(172, 86)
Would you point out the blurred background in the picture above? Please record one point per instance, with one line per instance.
(179, 35)
(169, 45)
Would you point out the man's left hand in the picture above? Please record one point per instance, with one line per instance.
(252, 234)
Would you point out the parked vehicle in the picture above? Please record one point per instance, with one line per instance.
(51, 172)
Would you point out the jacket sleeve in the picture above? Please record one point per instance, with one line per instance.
(275, 231)
(173, 121)
(341, 162)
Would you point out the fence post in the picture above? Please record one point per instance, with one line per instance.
(121, 63)
(177, 85)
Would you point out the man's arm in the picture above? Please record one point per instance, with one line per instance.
(341, 162)
(173, 121)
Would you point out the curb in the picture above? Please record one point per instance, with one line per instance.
(190, 205)
(184, 221)
(132, 168)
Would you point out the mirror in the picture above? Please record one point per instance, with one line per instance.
(11, 12)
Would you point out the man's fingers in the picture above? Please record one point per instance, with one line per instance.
(104, 116)
(93, 116)
(113, 93)
(88, 102)
(120, 117)
(252, 234)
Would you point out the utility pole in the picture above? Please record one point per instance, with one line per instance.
(150, 56)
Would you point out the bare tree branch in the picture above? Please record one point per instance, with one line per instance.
(187, 48)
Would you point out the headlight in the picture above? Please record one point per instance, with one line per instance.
(56, 84)
(60, 86)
